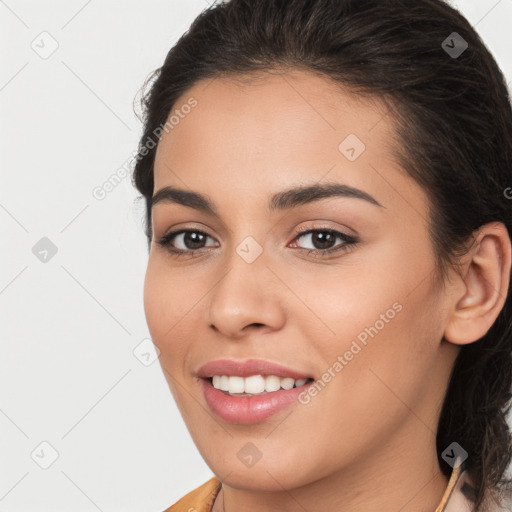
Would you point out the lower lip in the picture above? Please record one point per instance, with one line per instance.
(246, 410)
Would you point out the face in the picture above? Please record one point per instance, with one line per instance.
(337, 285)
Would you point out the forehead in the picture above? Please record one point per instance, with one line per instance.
(296, 108)
(259, 133)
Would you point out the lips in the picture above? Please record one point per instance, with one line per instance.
(247, 368)
(247, 409)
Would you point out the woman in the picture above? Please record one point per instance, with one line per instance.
(329, 213)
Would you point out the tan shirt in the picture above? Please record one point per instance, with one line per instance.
(456, 498)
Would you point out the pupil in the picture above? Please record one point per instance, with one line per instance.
(323, 238)
(193, 240)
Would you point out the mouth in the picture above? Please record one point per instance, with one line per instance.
(236, 406)
(251, 390)
(254, 385)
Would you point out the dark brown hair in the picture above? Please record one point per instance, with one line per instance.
(453, 122)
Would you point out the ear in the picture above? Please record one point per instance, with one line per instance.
(480, 292)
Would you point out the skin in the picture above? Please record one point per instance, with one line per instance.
(367, 441)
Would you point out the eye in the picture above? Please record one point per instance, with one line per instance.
(323, 240)
(190, 241)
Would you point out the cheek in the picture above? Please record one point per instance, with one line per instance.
(383, 314)
(172, 302)
(152, 301)
(161, 304)
(164, 310)
(345, 299)
(396, 353)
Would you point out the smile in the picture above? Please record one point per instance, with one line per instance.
(254, 384)
(248, 408)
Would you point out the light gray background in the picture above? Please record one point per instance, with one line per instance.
(69, 375)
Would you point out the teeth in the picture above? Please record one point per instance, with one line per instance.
(224, 383)
(287, 383)
(254, 384)
(272, 383)
(236, 384)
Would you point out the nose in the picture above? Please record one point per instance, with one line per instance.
(246, 297)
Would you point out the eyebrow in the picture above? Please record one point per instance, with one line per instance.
(283, 200)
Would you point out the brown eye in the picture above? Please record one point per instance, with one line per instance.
(184, 241)
(323, 241)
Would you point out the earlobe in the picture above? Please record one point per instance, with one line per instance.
(485, 285)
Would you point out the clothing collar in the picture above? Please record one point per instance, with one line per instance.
(459, 495)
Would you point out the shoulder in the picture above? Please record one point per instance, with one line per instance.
(199, 500)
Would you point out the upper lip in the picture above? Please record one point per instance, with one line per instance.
(248, 367)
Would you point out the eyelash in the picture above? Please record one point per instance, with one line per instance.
(349, 242)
